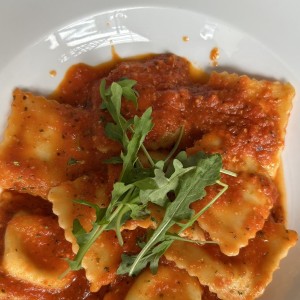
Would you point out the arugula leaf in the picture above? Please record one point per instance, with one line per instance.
(190, 188)
(140, 173)
(127, 90)
(114, 132)
(99, 211)
(142, 126)
(128, 83)
(84, 240)
(119, 191)
(127, 261)
(79, 232)
(159, 186)
(139, 127)
(112, 102)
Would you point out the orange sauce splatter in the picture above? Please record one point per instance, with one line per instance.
(185, 38)
(214, 56)
(52, 73)
(114, 54)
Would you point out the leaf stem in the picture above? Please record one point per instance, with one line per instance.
(149, 244)
(124, 210)
(144, 150)
(82, 251)
(65, 273)
(147, 155)
(227, 172)
(205, 208)
(121, 214)
(179, 238)
(181, 131)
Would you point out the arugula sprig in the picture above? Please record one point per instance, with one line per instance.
(188, 188)
(139, 127)
(124, 202)
(184, 177)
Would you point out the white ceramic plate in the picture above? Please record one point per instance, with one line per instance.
(259, 38)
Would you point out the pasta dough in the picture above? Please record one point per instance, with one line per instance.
(25, 241)
(47, 143)
(169, 283)
(239, 213)
(241, 277)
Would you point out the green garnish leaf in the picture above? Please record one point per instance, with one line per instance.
(127, 90)
(139, 173)
(99, 211)
(159, 186)
(114, 132)
(79, 232)
(191, 187)
(142, 126)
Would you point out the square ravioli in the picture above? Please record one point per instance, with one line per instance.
(46, 143)
(244, 276)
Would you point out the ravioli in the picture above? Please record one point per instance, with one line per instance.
(239, 213)
(32, 254)
(32, 243)
(241, 277)
(28, 225)
(47, 143)
(244, 120)
(169, 283)
(87, 188)
(103, 258)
